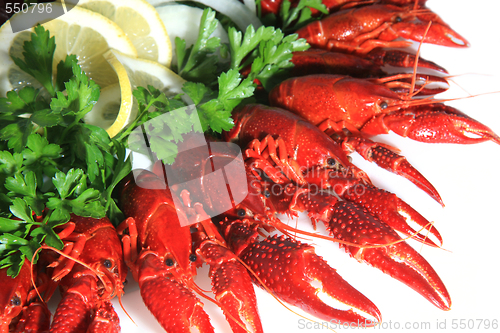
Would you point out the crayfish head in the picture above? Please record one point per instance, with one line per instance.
(363, 99)
(105, 257)
(411, 23)
(13, 295)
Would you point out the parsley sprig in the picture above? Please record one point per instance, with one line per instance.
(53, 164)
(214, 88)
(292, 18)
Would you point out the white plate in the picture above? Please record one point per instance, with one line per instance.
(465, 176)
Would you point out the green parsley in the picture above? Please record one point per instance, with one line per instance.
(52, 163)
(214, 88)
(292, 18)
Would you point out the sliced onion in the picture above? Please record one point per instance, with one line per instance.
(184, 22)
(240, 14)
(251, 5)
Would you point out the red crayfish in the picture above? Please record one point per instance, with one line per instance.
(160, 238)
(87, 289)
(20, 308)
(299, 157)
(89, 272)
(163, 252)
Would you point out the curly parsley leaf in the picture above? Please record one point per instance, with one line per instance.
(267, 50)
(52, 164)
(199, 61)
(293, 16)
(38, 57)
(82, 95)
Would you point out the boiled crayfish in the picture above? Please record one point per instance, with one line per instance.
(166, 235)
(308, 166)
(163, 251)
(21, 309)
(90, 271)
(170, 228)
(88, 288)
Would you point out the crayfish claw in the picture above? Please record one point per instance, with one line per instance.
(232, 287)
(389, 160)
(381, 247)
(291, 270)
(403, 263)
(73, 311)
(438, 34)
(394, 212)
(399, 58)
(432, 123)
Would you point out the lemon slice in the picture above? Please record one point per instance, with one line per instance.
(79, 31)
(132, 72)
(141, 23)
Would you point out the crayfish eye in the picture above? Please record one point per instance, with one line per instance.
(241, 212)
(192, 257)
(383, 105)
(169, 262)
(15, 301)
(266, 193)
(107, 263)
(331, 162)
(398, 19)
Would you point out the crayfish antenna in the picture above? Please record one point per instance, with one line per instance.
(119, 295)
(417, 56)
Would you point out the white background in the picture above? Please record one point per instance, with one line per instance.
(465, 176)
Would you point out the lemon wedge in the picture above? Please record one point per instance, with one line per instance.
(79, 31)
(140, 21)
(118, 103)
